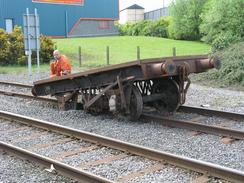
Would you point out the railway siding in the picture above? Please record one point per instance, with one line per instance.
(177, 138)
(136, 163)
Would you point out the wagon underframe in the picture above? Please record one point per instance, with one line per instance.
(126, 88)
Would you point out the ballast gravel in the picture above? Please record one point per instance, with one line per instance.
(168, 174)
(13, 169)
(203, 147)
(9, 88)
(122, 167)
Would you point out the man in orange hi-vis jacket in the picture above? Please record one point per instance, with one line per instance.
(61, 66)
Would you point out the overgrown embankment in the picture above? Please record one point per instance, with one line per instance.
(231, 73)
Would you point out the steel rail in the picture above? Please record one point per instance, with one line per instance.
(16, 84)
(211, 112)
(196, 165)
(60, 167)
(216, 130)
(185, 108)
(45, 99)
(210, 129)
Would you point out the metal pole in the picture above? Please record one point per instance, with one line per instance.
(174, 51)
(107, 55)
(66, 24)
(79, 56)
(29, 48)
(138, 53)
(37, 42)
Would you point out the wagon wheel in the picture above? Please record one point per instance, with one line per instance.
(135, 102)
(170, 90)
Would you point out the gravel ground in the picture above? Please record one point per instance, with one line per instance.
(170, 177)
(17, 170)
(178, 141)
(15, 89)
(123, 167)
(112, 170)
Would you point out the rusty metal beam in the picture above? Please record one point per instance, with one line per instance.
(142, 70)
(94, 99)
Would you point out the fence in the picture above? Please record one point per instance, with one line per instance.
(85, 58)
(156, 14)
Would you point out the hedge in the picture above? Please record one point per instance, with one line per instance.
(157, 28)
(12, 48)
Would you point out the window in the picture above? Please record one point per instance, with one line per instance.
(104, 25)
(9, 25)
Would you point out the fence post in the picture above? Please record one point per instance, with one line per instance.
(107, 55)
(138, 53)
(174, 51)
(79, 50)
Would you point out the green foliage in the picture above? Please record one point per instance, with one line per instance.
(4, 47)
(157, 28)
(12, 48)
(16, 46)
(160, 27)
(186, 19)
(47, 48)
(123, 29)
(232, 70)
(222, 23)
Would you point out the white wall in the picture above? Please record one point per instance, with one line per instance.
(131, 16)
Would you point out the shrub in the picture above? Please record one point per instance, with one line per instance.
(4, 47)
(47, 48)
(157, 28)
(222, 23)
(232, 70)
(16, 46)
(12, 48)
(160, 27)
(186, 19)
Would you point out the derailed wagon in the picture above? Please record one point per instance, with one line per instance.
(126, 88)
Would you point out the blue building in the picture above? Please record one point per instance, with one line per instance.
(64, 18)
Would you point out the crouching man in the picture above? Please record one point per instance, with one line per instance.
(61, 65)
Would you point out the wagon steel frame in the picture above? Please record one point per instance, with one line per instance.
(144, 81)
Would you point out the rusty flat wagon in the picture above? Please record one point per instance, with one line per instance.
(160, 82)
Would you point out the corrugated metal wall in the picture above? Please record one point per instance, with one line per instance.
(156, 14)
(53, 17)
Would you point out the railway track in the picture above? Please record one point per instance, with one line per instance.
(66, 150)
(195, 126)
(15, 84)
(191, 124)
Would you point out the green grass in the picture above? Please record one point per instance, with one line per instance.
(123, 48)
(16, 69)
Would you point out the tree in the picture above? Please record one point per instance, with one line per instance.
(186, 19)
(222, 24)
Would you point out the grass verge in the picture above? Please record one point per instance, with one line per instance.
(124, 48)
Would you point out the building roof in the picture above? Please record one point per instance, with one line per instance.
(134, 6)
